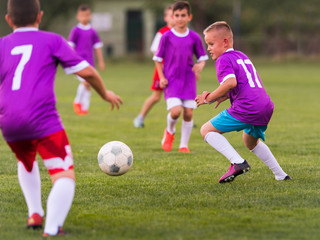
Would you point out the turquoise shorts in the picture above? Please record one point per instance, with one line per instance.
(224, 122)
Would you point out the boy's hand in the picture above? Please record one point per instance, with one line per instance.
(197, 69)
(200, 99)
(220, 100)
(163, 82)
(113, 99)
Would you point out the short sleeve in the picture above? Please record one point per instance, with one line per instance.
(224, 69)
(96, 40)
(72, 39)
(69, 59)
(200, 52)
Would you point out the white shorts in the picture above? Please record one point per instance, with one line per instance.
(186, 103)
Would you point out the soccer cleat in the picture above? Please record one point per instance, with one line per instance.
(167, 141)
(138, 123)
(184, 150)
(77, 108)
(287, 178)
(35, 221)
(59, 233)
(235, 170)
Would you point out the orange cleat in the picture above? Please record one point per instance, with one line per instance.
(167, 141)
(59, 233)
(77, 108)
(184, 150)
(35, 221)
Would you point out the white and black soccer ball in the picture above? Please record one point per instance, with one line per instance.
(115, 158)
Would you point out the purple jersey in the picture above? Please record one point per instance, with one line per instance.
(28, 63)
(178, 51)
(250, 102)
(83, 38)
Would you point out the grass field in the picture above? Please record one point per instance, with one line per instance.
(175, 195)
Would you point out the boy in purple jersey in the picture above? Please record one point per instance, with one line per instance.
(251, 107)
(178, 74)
(29, 120)
(85, 40)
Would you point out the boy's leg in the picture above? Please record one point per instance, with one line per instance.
(186, 129)
(148, 104)
(174, 107)
(29, 180)
(57, 156)
(79, 95)
(214, 137)
(85, 98)
(216, 140)
(263, 152)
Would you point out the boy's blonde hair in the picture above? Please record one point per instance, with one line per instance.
(220, 25)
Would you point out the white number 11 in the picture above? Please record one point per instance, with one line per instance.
(25, 50)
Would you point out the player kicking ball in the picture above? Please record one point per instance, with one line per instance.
(250, 110)
(29, 120)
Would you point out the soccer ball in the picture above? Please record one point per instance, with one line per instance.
(115, 158)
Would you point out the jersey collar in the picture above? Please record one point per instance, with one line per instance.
(25, 29)
(230, 49)
(84, 27)
(180, 34)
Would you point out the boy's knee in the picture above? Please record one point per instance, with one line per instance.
(175, 112)
(203, 131)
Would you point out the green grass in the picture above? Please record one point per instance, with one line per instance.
(174, 195)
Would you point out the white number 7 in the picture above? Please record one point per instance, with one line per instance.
(25, 50)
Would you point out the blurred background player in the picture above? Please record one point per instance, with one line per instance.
(251, 107)
(85, 40)
(155, 87)
(29, 119)
(178, 74)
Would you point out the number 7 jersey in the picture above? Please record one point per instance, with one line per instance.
(250, 102)
(28, 63)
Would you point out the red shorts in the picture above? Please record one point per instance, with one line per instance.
(156, 81)
(54, 149)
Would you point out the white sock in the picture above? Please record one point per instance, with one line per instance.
(171, 124)
(186, 128)
(30, 184)
(58, 204)
(140, 118)
(79, 94)
(263, 152)
(221, 144)
(85, 99)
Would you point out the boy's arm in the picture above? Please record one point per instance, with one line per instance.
(98, 52)
(219, 95)
(92, 77)
(163, 80)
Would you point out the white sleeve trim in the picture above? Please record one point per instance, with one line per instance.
(77, 68)
(158, 59)
(227, 77)
(98, 45)
(71, 44)
(155, 42)
(203, 58)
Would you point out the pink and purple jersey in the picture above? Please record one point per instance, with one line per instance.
(28, 63)
(84, 39)
(250, 102)
(178, 51)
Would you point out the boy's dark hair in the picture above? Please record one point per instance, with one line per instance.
(83, 7)
(23, 12)
(180, 5)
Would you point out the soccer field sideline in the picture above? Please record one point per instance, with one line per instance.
(174, 195)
